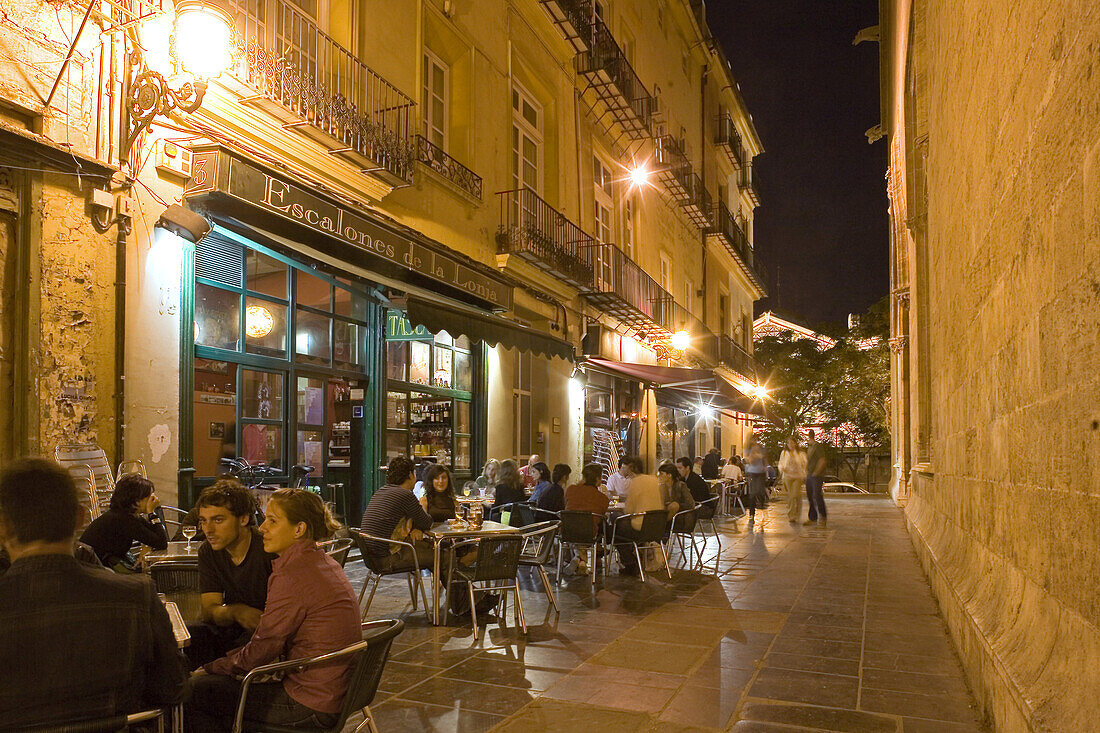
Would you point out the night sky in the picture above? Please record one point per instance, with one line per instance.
(821, 227)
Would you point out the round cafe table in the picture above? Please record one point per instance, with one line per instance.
(453, 530)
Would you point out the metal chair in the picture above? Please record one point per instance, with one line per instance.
(178, 580)
(652, 530)
(95, 459)
(173, 518)
(366, 661)
(337, 548)
(134, 465)
(580, 530)
(113, 724)
(496, 512)
(706, 511)
(538, 543)
(494, 568)
(362, 540)
(683, 526)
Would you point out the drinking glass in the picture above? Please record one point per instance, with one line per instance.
(189, 532)
(467, 490)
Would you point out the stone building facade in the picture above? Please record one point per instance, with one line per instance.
(993, 117)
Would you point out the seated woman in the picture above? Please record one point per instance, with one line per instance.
(131, 518)
(510, 484)
(542, 480)
(675, 493)
(488, 478)
(311, 610)
(439, 497)
(552, 499)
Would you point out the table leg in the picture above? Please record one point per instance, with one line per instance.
(435, 581)
(177, 718)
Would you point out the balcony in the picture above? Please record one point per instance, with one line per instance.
(534, 231)
(314, 85)
(619, 287)
(432, 156)
(704, 344)
(747, 182)
(734, 357)
(605, 68)
(682, 182)
(728, 140)
(574, 19)
(729, 233)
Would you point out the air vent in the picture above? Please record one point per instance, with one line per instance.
(220, 260)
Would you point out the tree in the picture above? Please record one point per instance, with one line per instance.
(793, 370)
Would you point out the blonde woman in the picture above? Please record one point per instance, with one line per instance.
(792, 467)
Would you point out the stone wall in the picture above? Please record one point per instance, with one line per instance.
(1006, 514)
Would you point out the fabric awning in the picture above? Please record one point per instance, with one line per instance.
(681, 386)
(485, 327)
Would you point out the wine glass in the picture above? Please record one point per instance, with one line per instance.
(189, 532)
(467, 489)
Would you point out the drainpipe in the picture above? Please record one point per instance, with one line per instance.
(703, 178)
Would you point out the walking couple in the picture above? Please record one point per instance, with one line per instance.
(799, 466)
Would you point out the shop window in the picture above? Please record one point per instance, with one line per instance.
(463, 378)
(420, 354)
(264, 327)
(312, 344)
(312, 291)
(215, 414)
(261, 395)
(350, 305)
(397, 360)
(217, 317)
(265, 275)
(348, 344)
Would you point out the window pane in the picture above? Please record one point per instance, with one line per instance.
(312, 291)
(397, 444)
(397, 410)
(311, 338)
(265, 274)
(350, 304)
(347, 345)
(217, 317)
(261, 395)
(444, 338)
(264, 328)
(311, 449)
(420, 352)
(463, 377)
(262, 444)
(397, 357)
(462, 417)
(462, 342)
(215, 415)
(442, 376)
(311, 400)
(462, 452)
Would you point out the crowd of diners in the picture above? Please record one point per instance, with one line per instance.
(93, 638)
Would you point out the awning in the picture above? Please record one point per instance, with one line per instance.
(680, 386)
(485, 327)
(23, 148)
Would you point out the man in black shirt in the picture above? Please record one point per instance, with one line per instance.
(696, 485)
(233, 572)
(77, 642)
(391, 505)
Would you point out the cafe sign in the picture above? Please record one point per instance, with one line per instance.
(215, 171)
(398, 328)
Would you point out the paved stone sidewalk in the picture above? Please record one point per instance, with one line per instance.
(803, 628)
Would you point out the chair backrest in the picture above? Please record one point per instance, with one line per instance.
(497, 558)
(134, 465)
(85, 486)
(653, 526)
(337, 549)
(525, 513)
(538, 541)
(684, 521)
(95, 458)
(707, 509)
(179, 581)
(514, 520)
(578, 527)
(366, 670)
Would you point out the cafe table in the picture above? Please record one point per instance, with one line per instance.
(453, 530)
(175, 551)
(183, 638)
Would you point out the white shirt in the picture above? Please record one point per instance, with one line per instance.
(732, 472)
(618, 484)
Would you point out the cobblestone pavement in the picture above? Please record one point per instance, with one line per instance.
(802, 628)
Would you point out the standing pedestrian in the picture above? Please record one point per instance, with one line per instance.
(756, 467)
(792, 465)
(815, 467)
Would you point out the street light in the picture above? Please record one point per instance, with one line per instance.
(201, 48)
(639, 175)
(680, 340)
(759, 392)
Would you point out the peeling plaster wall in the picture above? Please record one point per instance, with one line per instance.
(73, 369)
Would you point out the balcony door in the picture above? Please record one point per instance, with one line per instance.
(604, 224)
(527, 119)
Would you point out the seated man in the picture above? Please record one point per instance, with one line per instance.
(233, 572)
(695, 483)
(587, 497)
(78, 642)
(393, 509)
(618, 483)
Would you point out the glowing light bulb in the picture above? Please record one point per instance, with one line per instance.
(203, 39)
(759, 392)
(258, 321)
(639, 176)
(681, 340)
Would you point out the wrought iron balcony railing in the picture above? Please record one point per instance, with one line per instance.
(605, 68)
(729, 232)
(622, 289)
(704, 344)
(734, 357)
(728, 139)
(313, 84)
(536, 232)
(574, 19)
(748, 183)
(433, 156)
(683, 184)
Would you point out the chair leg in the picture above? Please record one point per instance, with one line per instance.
(412, 589)
(424, 595)
(641, 565)
(595, 567)
(519, 607)
(561, 546)
(546, 586)
(370, 598)
(667, 568)
(473, 606)
(368, 725)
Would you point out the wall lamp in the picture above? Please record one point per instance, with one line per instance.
(201, 48)
(579, 375)
(184, 222)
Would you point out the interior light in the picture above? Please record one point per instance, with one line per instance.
(203, 39)
(681, 340)
(258, 321)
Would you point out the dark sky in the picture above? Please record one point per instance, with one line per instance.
(822, 222)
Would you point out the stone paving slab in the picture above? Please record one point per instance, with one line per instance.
(790, 628)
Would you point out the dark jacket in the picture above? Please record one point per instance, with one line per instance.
(697, 486)
(508, 494)
(552, 498)
(89, 644)
(112, 533)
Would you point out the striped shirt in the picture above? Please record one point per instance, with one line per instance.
(390, 505)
